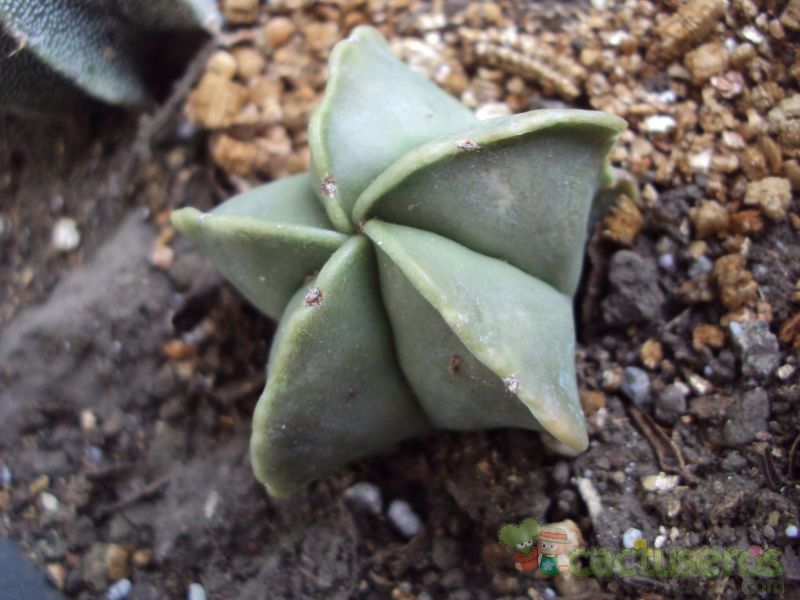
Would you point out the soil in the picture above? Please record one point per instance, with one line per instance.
(128, 375)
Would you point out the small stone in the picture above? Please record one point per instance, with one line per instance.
(746, 418)
(120, 590)
(623, 222)
(790, 331)
(217, 100)
(706, 61)
(178, 350)
(736, 284)
(660, 483)
(366, 496)
(404, 518)
(651, 353)
(701, 266)
(278, 31)
(196, 592)
(772, 195)
(490, 110)
(635, 295)
(65, 236)
(700, 161)
(240, 12)
(321, 37)
(785, 372)
(592, 401)
(117, 562)
(38, 485)
(57, 574)
(792, 531)
(636, 386)
(249, 62)
(708, 335)
(687, 26)
(94, 455)
(142, 557)
(445, 553)
(670, 404)
(88, 420)
(709, 218)
(745, 222)
(699, 385)
(659, 124)
(756, 346)
(5, 476)
(211, 504)
(48, 502)
(631, 536)
(161, 257)
(666, 261)
(611, 378)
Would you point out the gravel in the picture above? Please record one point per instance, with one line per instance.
(670, 404)
(403, 517)
(635, 296)
(747, 417)
(757, 348)
(636, 386)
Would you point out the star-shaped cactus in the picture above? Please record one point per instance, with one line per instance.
(423, 273)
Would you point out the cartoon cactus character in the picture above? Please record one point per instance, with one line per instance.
(423, 273)
(53, 53)
(520, 537)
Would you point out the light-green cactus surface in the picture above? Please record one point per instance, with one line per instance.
(423, 272)
(53, 53)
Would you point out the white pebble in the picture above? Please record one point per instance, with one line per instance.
(48, 502)
(659, 124)
(65, 236)
(668, 96)
(88, 420)
(5, 476)
(211, 505)
(666, 262)
(196, 592)
(491, 110)
(785, 372)
(752, 35)
(365, 495)
(120, 590)
(94, 455)
(791, 531)
(404, 518)
(660, 483)
(617, 38)
(701, 161)
(631, 536)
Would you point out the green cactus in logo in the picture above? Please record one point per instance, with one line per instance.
(521, 537)
(444, 253)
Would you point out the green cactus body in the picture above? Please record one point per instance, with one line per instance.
(65, 48)
(440, 255)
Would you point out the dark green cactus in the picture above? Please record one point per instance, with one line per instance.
(56, 51)
(441, 278)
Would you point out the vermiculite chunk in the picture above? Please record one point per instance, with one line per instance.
(424, 270)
